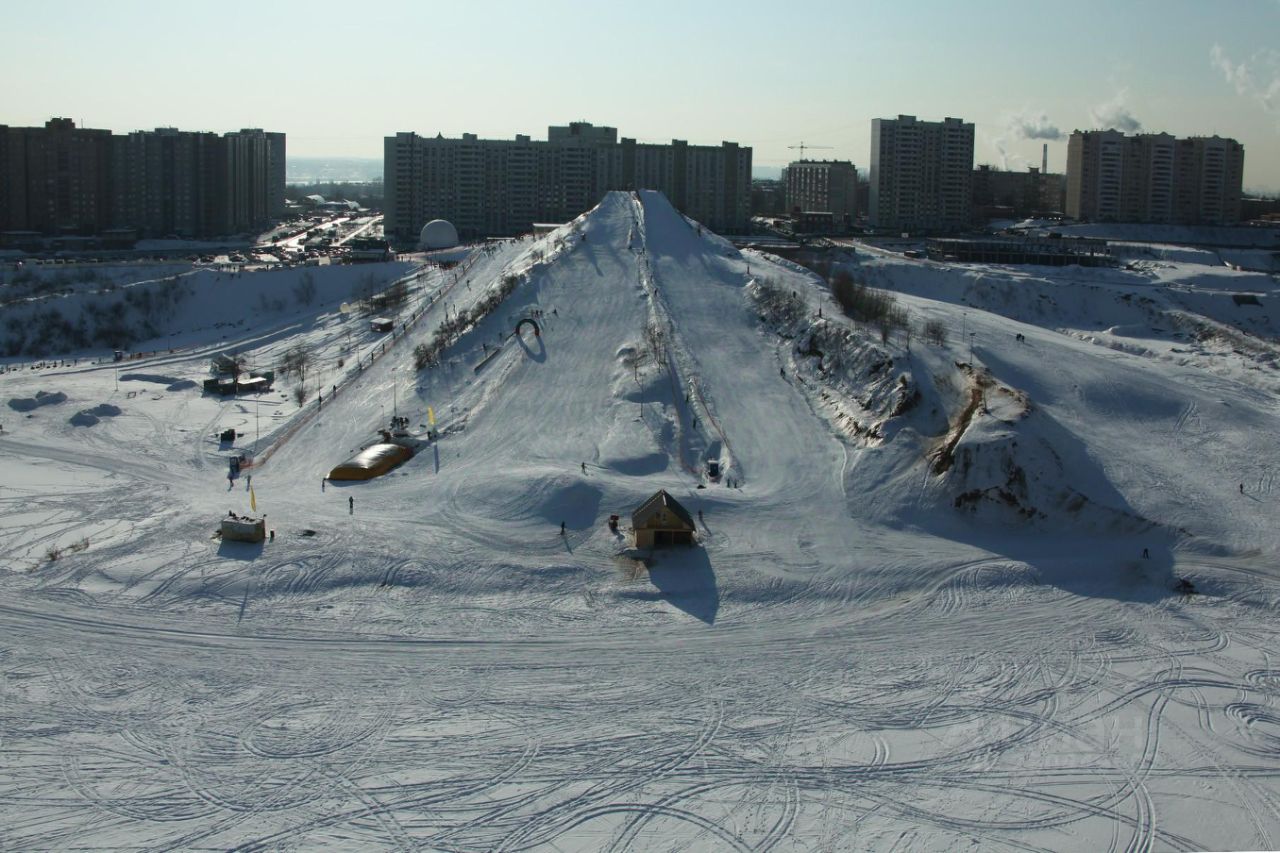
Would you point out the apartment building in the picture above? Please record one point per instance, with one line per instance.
(1153, 177)
(56, 178)
(495, 187)
(63, 180)
(921, 174)
(823, 186)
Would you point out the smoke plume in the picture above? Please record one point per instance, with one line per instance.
(1114, 114)
(1029, 125)
(1257, 77)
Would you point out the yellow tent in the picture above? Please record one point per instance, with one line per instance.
(374, 461)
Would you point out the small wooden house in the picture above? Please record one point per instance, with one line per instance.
(661, 521)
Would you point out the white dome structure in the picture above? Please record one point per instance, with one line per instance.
(438, 234)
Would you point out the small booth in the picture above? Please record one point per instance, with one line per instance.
(243, 528)
(254, 385)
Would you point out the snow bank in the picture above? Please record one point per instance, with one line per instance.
(41, 398)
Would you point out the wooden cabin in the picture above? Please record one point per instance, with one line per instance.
(661, 522)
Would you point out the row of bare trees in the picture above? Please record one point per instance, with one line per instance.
(880, 309)
(428, 353)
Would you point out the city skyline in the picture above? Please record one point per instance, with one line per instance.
(337, 86)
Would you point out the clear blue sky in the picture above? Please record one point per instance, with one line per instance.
(338, 77)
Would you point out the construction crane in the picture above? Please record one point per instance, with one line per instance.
(802, 146)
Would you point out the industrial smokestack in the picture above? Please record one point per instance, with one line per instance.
(1044, 160)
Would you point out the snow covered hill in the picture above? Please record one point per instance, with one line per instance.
(919, 612)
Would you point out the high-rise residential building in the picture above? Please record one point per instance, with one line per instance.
(823, 186)
(921, 174)
(492, 187)
(275, 174)
(60, 179)
(1153, 177)
(167, 182)
(57, 178)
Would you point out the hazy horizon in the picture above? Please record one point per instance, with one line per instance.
(338, 84)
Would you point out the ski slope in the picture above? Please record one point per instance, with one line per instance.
(849, 660)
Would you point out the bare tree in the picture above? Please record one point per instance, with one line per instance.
(935, 333)
(296, 360)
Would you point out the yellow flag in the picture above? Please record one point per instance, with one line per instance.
(253, 500)
(431, 416)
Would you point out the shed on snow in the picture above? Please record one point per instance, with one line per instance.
(242, 528)
(374, 461)
(662, 521)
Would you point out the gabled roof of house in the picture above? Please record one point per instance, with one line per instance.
(663, 499)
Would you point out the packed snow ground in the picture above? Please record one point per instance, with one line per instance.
(911, 620)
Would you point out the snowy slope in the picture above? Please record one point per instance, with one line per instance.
(848, 660)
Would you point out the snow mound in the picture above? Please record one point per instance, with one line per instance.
(89, 417)
(858, 381)
(171, 383)
(546, 499)
(1011, 466)
(42, 398)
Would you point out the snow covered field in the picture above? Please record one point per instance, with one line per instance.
(919, 617)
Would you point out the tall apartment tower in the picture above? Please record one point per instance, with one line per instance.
(1153, 177)
(827, 186)
(55, 179)
(495, 187)
(921, 174)
(60, 179)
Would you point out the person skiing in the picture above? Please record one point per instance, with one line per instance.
(584, 467)
(1146, 554)
(1242, 488)
(351, 505)
(562, 528)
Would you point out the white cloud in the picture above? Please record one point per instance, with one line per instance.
(1115, 114)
